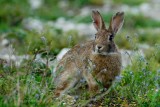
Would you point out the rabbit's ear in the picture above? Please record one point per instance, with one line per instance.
(97, 20)
(116, 22)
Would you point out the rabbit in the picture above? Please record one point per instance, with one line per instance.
(96, 61)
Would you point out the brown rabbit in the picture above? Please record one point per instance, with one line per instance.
(97, 61)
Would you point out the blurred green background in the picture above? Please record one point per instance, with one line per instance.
(21, 20)
(32, 30)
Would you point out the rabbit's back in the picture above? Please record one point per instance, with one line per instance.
(73, 61)
(77, 54)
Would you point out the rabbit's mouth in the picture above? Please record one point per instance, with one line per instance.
(103, 53)
(98, 52)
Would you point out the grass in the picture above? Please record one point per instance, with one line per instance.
(83, 3)
(131, 3)
(31, 84)
(20, 36)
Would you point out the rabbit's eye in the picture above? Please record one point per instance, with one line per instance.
(111, 37)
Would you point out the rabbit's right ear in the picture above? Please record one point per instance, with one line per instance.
(97, 20)
(116, 22)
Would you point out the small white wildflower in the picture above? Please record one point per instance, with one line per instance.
(157, 90)
(131, 73)
(118, 78)
(43, 39)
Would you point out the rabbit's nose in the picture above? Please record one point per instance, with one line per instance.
(99, 47)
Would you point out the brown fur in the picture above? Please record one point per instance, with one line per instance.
(95, 60)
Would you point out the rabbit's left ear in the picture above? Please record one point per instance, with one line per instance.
(116, 22)
(97, 20)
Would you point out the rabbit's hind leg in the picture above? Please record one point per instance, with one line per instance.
(61, 90)
(64, 85)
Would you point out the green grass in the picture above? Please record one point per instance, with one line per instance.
(143, 36)
(139, 86)
(82, 3)
(14, 11)
(131, 3)
(32, 84)
(56, 39)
